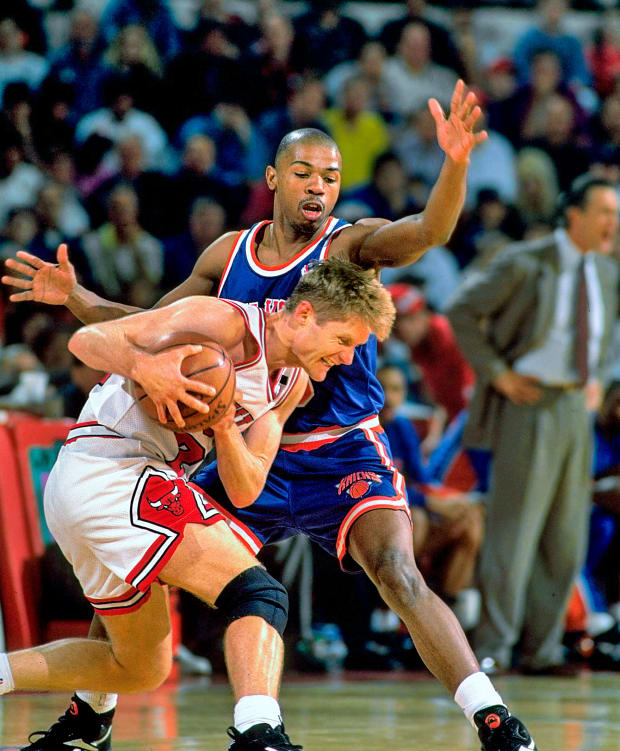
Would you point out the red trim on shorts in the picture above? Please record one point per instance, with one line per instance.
(121, 609)
(146, 582)
(391, 503)
(242, 532)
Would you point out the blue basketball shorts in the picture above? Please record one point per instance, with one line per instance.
(319, 492)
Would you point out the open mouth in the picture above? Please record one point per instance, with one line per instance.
(328, 363)
(312, 210)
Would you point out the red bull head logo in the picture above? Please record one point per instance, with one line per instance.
(163, 495)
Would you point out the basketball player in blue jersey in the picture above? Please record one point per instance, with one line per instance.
(333, 478)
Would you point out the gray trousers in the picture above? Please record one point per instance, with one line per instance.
(536, 528)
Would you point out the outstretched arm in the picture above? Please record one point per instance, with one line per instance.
(56, 283)
(399, 243)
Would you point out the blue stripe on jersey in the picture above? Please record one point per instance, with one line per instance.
(350, 392)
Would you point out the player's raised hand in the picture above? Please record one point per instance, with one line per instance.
(455, 133)
(51, 283)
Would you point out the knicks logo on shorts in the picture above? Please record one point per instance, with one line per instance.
(163, 494)
(357, 484)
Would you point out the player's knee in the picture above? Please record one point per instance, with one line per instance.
(255, 592)
(398, 578)
(146, 673)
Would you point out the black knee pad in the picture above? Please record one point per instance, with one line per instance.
(255, 592)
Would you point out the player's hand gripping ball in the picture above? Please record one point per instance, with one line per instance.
(211, 365)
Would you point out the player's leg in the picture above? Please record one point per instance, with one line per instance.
(381, 542)
(213, 565)
(136, 657)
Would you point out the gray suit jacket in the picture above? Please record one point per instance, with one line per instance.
(505, 310)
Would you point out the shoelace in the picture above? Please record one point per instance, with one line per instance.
(273, 735)
(50, 730)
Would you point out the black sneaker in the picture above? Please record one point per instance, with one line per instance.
(498, 730)
(79, 728)
(261, 737)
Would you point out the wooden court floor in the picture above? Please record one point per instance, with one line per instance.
(350, 711)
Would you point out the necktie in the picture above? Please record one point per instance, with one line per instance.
(581, 348)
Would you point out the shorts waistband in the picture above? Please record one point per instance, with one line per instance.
(322, 436)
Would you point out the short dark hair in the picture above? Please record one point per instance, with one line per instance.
(304, 135)
(578, 193)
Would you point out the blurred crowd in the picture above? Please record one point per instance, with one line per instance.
(137, 132)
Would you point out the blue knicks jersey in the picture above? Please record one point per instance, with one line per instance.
(350, 392)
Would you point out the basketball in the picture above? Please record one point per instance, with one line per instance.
(211, 365)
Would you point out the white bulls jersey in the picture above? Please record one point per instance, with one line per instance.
(112, 413)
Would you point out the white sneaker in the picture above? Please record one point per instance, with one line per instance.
(191, 663)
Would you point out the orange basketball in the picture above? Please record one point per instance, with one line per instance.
(211, 365)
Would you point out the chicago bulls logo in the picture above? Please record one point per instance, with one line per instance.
(163, 495)
(357, 484)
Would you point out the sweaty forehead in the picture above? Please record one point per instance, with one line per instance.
(320, 156)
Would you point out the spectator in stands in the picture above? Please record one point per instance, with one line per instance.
(150, 186)
(125, 261)
(548, 35)
(411, 76)
(324, 37)
(207, 222)
(526, 325)
(559, 138)
(489, 227)
(29, 18)
(78, 63)
(54, 119)
(237, 30)
(75, 393)
(16, 63)
(607, 125)
(19, 181)
(603, 55)
(17, 106)
(361, 134)
(443, 49)
(208, 71)
(73, 219)
(155, 15)
(234, 137)
(538, 189)
(51, 231)
(493, 166)
(120, 119)
(197, 178)
(415, 143)
(387, 193)
(370, 65)
(270, 64)
(499, 84)
(133, 54)
(17, 232)
(525, 112)
(448, 523)
(447, 378)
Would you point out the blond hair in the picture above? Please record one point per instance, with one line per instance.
(338, 289)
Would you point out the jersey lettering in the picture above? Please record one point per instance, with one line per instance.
(190, 453)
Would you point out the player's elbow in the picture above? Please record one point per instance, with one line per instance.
(245, 494)
(78, 343)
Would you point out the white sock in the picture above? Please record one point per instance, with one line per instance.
(476, 692)
(252, 710)
(7, 684)
(99, 702)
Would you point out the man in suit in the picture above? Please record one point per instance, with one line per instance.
(535, 325)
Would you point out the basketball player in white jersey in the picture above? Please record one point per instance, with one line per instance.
(119, 504)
